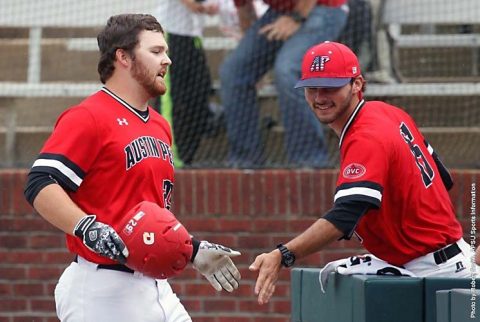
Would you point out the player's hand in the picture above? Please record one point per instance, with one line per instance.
(213, 261)
(101, 238)
(268, 267)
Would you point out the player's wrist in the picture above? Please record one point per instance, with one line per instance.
(83, 225)
(196, 246)
(287, 257)
(297, 17)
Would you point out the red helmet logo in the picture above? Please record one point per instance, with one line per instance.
(158, 244)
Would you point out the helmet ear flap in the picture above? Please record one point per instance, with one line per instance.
(159, 245)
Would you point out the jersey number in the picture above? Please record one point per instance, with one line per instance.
(422, 163)
(167, 193)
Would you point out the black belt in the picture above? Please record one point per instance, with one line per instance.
(444, 254)
(113, 267)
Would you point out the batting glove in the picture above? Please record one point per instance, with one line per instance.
(213, 261)
(101, 238)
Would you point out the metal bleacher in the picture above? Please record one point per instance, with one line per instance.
(51, 64)
(436, 24)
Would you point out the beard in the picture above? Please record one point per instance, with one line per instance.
(339, 111)
(147, 80)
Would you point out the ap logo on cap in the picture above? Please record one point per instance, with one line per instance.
(329, 65)
(318, 63)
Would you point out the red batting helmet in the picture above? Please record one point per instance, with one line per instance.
(158, 244)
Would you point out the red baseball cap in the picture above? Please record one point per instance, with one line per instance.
(329, 64)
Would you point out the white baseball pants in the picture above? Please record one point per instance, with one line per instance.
(86, 293)
(460, 265)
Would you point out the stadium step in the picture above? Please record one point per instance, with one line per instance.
(453, 144)
(58, 62)
(439, 64)
(458, 147)
(75, 59)
(450, 120)
(450, 126)
(74, 52)
(34, 111)
(21, 149)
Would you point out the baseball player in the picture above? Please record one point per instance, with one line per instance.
(105, 155)
(391, 190)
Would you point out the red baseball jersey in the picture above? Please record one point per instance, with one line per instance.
(386, 162)
(109, 157)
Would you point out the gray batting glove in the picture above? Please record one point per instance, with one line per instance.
(101, 238)
(213, 261)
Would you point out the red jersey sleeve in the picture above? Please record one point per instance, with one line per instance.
(363, 170)
(71, 148)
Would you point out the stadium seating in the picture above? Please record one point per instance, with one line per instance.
(443, 30)
(49, 62)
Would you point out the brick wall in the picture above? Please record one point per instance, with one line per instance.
(249, 210)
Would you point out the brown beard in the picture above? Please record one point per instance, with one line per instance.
(141, 74)
(343, 108)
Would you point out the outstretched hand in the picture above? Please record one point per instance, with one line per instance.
(268, 267)
(213, 261)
